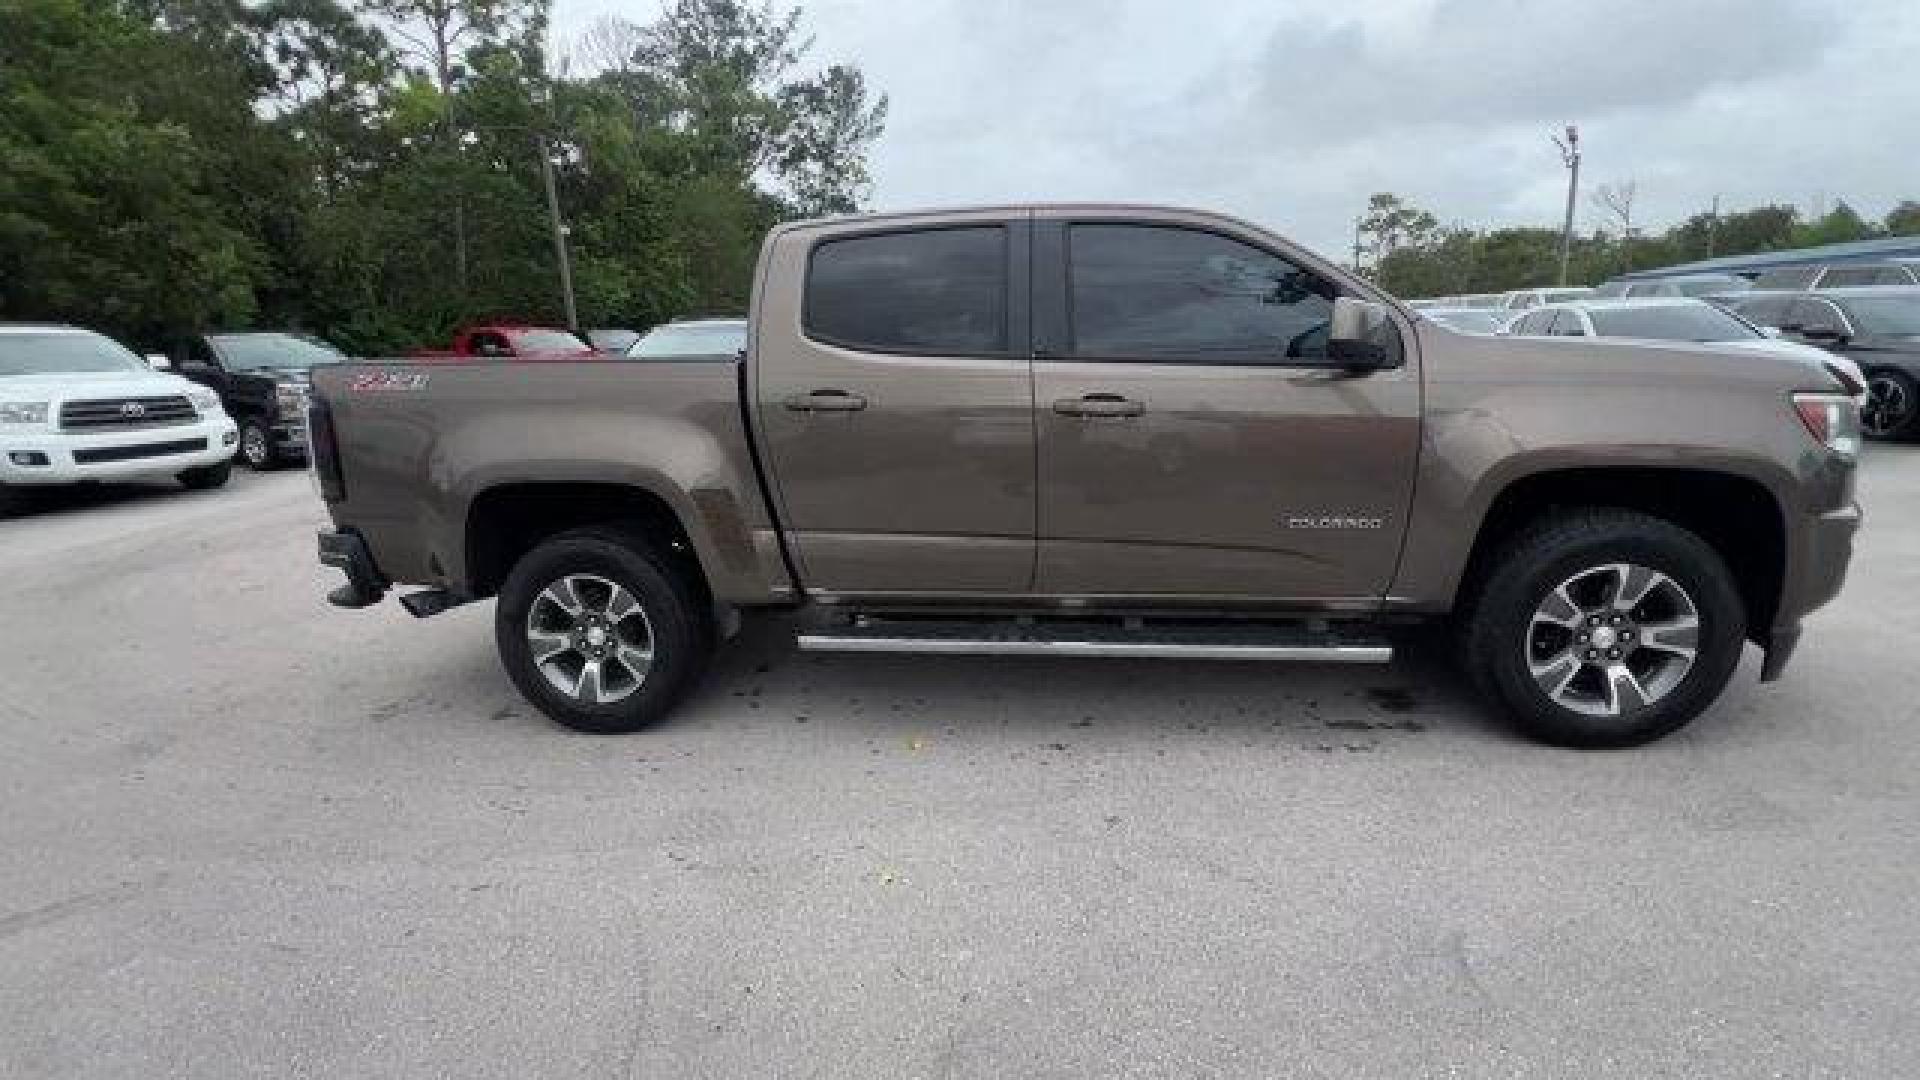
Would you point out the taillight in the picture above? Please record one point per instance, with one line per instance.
(1832, 420)
(323, 452)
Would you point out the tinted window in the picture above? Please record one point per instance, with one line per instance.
(1569, 324)
(1807, 311)
(1842, 277)
(1533, 324)
(33, 354)
(692, 339)
(487, 343)
(1890, 316)
(1703, 286)
(1766, 311)
(1142, 290)
(934, 291)
(1787, 277)
(199, 354)
(1674, 322)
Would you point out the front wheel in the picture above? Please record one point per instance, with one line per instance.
(1605, 628)
(600, 631)
(256, 446)
(1892, 410)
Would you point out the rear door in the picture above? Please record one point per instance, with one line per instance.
(893, 387)
(1195, 441)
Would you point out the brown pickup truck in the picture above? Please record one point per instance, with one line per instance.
(1116, 431)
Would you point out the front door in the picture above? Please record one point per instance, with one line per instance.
(894, 393)
(1194, 441)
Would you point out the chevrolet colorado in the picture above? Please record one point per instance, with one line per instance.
(1096, 430)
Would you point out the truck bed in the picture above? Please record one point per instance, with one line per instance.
(422, 444)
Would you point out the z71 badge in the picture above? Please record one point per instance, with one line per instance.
(373, 381)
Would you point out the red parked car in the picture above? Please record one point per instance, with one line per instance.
(508, 340)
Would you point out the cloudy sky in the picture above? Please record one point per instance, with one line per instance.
(1291, 113)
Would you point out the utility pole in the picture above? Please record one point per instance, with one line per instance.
(1713, 226)
(559, 232)
(1357, 248)
(1570, 157)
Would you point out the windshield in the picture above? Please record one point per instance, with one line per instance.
(692, 339)
(252, 352)
(36, 354)
(1885, 316)
(1676, 322)
(546, 341)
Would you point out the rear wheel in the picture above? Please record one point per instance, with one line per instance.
(1892, 410)
(1605, 628)
(600, 631)
(206, 477)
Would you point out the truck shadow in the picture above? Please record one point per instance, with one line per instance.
(1337, 707)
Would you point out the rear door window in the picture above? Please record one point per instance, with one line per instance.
(928, 291)
(1569, 324)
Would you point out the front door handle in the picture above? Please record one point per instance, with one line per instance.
(1099, 405)
(826, 401)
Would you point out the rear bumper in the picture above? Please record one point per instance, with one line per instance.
(346, 552)
(47, 457)
(1825, 550)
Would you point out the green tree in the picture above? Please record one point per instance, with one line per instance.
(1390, 224)
(1903, 219)
(1839, 225)
(116, 205)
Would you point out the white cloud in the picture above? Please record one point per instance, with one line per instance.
(1291, 113)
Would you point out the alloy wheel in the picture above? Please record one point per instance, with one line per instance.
(590, 639)
(1612, 640)
(1889, 406)
(253, 446)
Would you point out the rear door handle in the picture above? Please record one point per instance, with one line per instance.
(826, 401)
(1099, 405)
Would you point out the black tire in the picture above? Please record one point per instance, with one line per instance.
(256, 447)
(1499, 623)
(206, 477)
(13, 501)
(1892, 411)
(674, 606)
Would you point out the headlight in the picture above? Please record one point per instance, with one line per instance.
(205, 402)
(23, 412)
(293, 401)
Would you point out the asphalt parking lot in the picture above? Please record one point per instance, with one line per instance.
(246, 834)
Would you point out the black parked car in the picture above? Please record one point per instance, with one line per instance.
(263, 383)
(1840, 275)
(1877, 328)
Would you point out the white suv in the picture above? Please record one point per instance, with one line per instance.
(76, 406)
